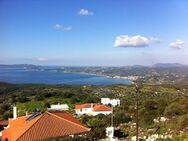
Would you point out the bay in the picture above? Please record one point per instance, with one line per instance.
(24, 76)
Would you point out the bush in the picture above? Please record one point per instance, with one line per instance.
(121, 117)
(39, 97)
(22, 98)
(4, 107)
(175, 109)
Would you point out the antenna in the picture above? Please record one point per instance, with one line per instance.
(112, 117)
(137, 98)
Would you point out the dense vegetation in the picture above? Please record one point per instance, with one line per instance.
(155, 101)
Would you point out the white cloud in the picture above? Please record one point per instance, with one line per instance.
(42, 59)
(61, 27)
(134, 41)
(57, 26)
(85, 12)
(178, 44)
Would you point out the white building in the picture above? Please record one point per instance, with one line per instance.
(59, 107)
(92, 109)
(105, 101)
(110, 132)
(114, 102)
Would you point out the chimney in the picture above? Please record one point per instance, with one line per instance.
(91, 105)
(14, 112)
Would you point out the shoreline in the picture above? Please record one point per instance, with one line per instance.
(129, 78)
(107, 76)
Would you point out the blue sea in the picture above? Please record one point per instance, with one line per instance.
(24, 76)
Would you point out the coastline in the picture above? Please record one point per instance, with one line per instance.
(130, 78)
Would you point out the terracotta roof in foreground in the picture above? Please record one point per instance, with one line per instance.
(47, 125)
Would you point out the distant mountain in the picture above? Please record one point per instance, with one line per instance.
(168, 65)
(28, 67)
(18, 66)
(38, 67)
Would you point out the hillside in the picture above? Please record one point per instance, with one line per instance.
(169, 101)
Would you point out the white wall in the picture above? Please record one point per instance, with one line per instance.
(89, 111)
(105, 101)
(115, 102)
(60, 107)
(110, 132)
(102, 112)
(82, 111)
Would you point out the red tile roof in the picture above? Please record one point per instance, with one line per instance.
(17, 127)
(87, 105)
(68, 117)
(44, 126)
(98, 108)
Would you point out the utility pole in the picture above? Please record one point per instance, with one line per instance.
(137, 97)
(112, 117)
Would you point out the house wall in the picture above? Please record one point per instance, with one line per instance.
(59, 107)
(115, 102)
(88, 111)
(82, 111)
(105, 101)
(101, 112)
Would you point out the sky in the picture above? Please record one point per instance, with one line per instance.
(93, 32)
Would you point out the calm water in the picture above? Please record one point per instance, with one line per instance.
(19, 76)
